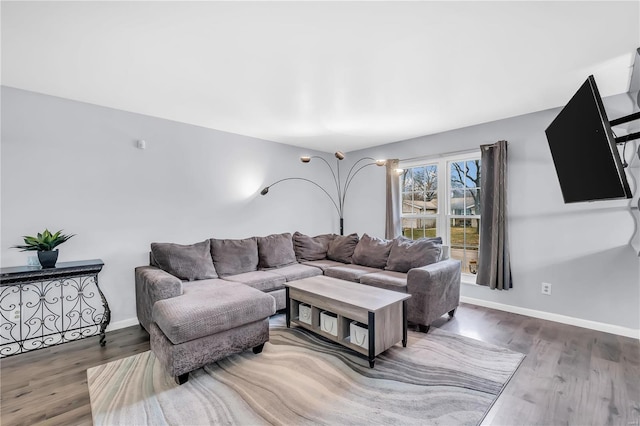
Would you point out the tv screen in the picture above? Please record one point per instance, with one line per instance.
(584, 150)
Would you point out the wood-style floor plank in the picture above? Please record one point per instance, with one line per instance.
(49, 386)
(570, 376)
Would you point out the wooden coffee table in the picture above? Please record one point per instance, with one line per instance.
(383, 312)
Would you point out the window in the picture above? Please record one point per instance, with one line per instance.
(441, 197)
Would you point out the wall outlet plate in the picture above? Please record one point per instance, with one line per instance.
(546, 289)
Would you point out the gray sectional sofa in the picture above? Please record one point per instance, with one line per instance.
(421, 268)
(204, 301)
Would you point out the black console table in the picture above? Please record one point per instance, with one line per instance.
(41, 307)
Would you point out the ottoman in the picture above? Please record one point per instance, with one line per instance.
(193, 330)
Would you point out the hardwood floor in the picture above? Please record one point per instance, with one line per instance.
(570, 375)
(49, 386)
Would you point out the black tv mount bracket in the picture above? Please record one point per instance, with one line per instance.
(634, 86)
(626, 119)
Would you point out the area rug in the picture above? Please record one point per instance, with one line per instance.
(300, 378)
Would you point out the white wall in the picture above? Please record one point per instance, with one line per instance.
(74, 166)
(583, 249)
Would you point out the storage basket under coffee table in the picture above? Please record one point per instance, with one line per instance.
(367, 319)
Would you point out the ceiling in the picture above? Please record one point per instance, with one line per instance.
(320, 75)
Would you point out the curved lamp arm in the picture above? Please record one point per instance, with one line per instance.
(349, 179)
(353, 174)
(266, 190)
(336, 179)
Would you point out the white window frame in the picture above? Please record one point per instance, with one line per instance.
(444, 216)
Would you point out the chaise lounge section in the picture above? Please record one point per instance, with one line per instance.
(200, 326)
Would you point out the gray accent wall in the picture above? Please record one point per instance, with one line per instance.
(587, 251)
(75, 166)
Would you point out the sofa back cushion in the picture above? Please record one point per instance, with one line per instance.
(341, 247)
(408, 254)
(311, 248)
(232, 257)
(275, 251)
(187, 262)
(372, 252)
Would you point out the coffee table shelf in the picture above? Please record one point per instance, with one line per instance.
(383, 312)
(343, 336)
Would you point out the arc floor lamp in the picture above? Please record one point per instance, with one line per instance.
(341, 188)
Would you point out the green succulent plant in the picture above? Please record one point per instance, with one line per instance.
(45, 241)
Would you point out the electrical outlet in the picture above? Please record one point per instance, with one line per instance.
(546, 289)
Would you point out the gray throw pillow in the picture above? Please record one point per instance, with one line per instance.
(408, 254)
(372, 252)
(232, 257)
(341, 248)
(275, 251)
(311, 248)
(187, 262)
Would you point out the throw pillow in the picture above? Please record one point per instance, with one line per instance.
(372, 252)
(408, 254)
(341, 248)
(275, 251)
(232, 257)
(311, 248)
(187, 262)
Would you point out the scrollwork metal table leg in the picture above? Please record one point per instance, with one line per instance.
(107, 315)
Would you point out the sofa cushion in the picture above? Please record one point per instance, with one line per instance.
(349, 272)
(232, 257)
(341, 248)
(388, 280)
(323, 264)
(200, 313)
(407, 254)
(187, 262)
(372, 251)
(297, 272)
(260, 280)
(275, 251)
(311, 248)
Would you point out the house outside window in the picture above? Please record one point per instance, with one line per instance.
(441, 197)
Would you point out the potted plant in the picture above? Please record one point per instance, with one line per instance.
(45, 243)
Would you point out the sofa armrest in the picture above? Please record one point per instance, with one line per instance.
(434, 289)
(153, 284)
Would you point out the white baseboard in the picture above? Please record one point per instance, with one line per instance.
(578, 322)
(122, 324)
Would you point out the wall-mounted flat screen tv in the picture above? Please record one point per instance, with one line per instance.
(584, 150)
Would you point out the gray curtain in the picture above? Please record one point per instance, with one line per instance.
(494, 269)
(393, 225)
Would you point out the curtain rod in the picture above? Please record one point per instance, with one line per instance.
(445, 154)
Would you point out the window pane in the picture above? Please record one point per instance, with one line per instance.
(465, 240)
(407, 202)
(471, 202)
(431, 189)
(415, 228)
(406, 180)
(472, 179)
(458, 174)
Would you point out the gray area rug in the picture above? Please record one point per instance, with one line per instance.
(299, 378)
